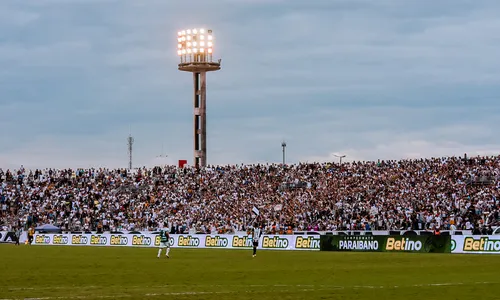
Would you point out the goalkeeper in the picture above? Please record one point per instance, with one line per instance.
(164, 242)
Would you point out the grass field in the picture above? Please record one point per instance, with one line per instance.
(59, 272)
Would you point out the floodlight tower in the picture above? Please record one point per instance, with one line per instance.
(195, 49)
(340, 158)
(283, 145)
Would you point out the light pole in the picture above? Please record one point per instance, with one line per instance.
(195, 49)
(283, 145)
(161, 154)
(340, 158)
(340, 167)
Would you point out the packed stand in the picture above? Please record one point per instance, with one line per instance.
(447, 193)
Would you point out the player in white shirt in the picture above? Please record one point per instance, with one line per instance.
(255, 239)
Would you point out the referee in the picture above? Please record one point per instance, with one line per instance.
(255, 239)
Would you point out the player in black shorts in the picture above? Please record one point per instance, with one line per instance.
(255, 239)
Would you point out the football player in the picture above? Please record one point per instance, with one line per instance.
(164, 242)
(255, 239)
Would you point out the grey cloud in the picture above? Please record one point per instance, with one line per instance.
(369, 78)
(15, 18)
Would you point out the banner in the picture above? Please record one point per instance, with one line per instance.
(378, 243)
(475, 244)
(223, 241)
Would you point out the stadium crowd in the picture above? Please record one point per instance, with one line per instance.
(447, 193)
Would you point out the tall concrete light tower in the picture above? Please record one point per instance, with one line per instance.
(195, 49)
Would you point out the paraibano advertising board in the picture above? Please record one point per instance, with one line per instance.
(390, 243)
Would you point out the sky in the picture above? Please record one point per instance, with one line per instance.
(369, 79)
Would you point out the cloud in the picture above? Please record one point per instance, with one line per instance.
(15, 18)
(370, 79)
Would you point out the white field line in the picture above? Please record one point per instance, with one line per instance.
(312, 288)
(155, 286)
(243, 285)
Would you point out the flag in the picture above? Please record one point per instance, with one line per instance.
(182, 163)
(256, 211)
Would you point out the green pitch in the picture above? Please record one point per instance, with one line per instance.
(52, 272)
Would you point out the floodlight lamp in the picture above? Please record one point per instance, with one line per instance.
(195, 44)
(210, 50)
(202, 50)
(188, 37)
(188, 31)
(210, 37)
(189, 44)
(183, 51)
(202, 37)
(189, 50)
(179, 40)
(210, 44)
(195, 50)
(202, 31)
(179, 33)
(195, 31)
(183, 38)
(184, 32)
(179, 52)
(179, 46)
(202, 44)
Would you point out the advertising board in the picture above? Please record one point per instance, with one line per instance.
(419, 244)
(475, 244)
(364, 243)
(3, 236)
(223, 241)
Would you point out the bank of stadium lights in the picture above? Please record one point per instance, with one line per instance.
(195, 45)
(195, 48)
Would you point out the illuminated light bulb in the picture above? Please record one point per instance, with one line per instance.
(210, 37)
(202, 50)
(189, 44)
(183, 38)
(189, 51)
(183, 51)
(179, 33)
(202, 37)
(195, 50)
(202, 44)
(202, 31)
(195, 44)
(179, 40)
(210, 50)
(195, 31)
(179, 52)
(188, 37)
(188, 31)
(209, 44)
(184, 32)
(179, 46)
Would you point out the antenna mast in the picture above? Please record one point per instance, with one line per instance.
(130, 140)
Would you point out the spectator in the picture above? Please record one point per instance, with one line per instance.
(448, 193)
